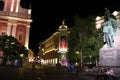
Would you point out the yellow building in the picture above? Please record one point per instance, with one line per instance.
(53, 49)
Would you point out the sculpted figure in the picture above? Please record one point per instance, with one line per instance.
(108, 33)
(109, 28)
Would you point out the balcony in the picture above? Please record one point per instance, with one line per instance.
(13, 14)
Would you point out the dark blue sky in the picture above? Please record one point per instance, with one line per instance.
(48, 15)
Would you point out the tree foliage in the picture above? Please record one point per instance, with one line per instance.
(84, 38)
(11, 47)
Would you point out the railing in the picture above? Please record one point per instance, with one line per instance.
(13, 14)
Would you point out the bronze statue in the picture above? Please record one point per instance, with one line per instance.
(109, 28)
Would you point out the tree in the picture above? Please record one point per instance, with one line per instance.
(85, 38)
(72, 43)
(11, 48)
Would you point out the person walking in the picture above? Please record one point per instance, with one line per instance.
(33, 64)
(71, 67)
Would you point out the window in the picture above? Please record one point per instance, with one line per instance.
(20, 36)
(3, 30)
(1, 5)
(3, 33)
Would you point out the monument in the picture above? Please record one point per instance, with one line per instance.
(109, 54)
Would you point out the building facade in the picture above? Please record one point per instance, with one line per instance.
(53, 50)
(15, 21)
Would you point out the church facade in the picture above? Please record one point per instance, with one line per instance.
(15, 21)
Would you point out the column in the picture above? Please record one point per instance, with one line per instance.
(27, 36)
(8, 29)
(17, 5)
(14, 30)
(12, 5)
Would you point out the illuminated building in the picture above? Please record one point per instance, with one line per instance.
(15, 21)
(53, 49)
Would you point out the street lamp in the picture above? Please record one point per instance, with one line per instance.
(43, 51)
(78, 54)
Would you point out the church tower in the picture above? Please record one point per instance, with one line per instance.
(15, 21)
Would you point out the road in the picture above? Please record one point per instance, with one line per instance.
(39, 73)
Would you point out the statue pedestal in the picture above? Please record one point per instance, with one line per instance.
(109, 57)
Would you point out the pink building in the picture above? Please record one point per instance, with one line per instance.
(15, 20)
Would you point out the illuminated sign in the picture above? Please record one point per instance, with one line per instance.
(63, 45)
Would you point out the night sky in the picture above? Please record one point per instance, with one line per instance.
(48, 15)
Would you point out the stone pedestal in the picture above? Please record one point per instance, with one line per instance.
(109, 57)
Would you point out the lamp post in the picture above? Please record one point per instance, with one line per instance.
(81, 59)
(80, 35)
(90, 59)
(80, 55)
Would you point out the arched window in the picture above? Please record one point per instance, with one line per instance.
(1, 5)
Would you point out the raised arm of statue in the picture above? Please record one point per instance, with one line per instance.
(107, 14)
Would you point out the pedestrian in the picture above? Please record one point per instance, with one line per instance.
(112, 74)
(85, 69)
(77, 68)
(106, 74)
(33, 64)
(100, 74)
(71, 67)
(58, 67)
(16, 63)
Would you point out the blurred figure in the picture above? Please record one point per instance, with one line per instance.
(100, 74)
(33, 64)
(58, 66)
(111, 74)
(71, 67)
(85, 69)
(105, 74)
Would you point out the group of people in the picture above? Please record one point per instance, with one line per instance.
(105, 74)
(77, 69)
(70, 68)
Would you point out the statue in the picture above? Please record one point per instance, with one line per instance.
(109, 53)
(109, 28)
(108, 33)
